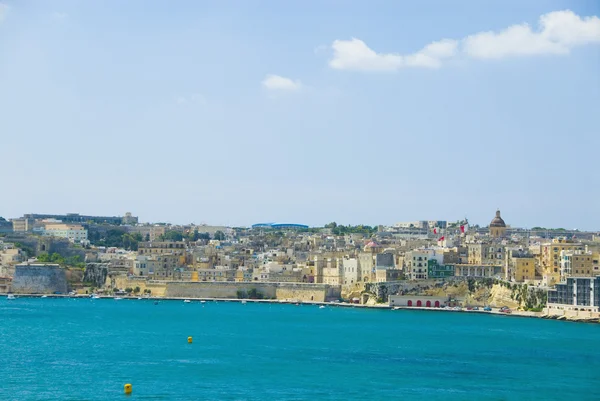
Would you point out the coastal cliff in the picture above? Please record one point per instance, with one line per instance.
(467, 291)
(95, 274)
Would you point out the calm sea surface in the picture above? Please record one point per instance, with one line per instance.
(83, 349)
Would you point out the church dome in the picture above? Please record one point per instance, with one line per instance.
(497, 221)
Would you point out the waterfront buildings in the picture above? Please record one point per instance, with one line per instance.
(576, 293)
(576, 263)
(352, 273)
(521, 266)
(416, 263)
(356, 261)
(436, 270)
(478, 271)
(550, 257)
(485, 253)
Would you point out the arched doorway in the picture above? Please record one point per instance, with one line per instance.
(419, 303)
(428, 304)
(409, 303)
(437, 304)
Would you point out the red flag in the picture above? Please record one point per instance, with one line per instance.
(435, 230)
(462, 229)
(441, 238)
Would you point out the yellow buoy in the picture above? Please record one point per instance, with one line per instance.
(127, 388)
(189, 340)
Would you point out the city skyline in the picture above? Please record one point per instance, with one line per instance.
(235, 113)
(469, 222)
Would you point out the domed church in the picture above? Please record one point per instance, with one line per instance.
(497, 226)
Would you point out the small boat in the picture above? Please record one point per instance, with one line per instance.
(11, 296)
(155, 302)
(187, 301)
(202, 302)
(139, 297)
(322, 307)
(244, 301)
(118, 298)
(44, 296)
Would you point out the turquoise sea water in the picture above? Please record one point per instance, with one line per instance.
(83, 349)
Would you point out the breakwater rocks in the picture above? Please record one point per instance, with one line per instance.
(39, 279)
(572, 318)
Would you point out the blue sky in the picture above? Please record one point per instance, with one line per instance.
(236, 112)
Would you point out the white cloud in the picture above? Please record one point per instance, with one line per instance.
(558, 32)
(3, 11)
(277, 82)
(355, 55)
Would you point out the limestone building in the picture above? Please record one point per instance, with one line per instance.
(497, 226)
(550, 257)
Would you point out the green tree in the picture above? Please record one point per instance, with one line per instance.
(27, 249)
(204, 236)
(220, 235)
(136, 290)
(172, 236)
(253, 293)
(192, 236)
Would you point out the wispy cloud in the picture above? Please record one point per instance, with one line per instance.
(279, 83)
(558, 32)
(3, 11)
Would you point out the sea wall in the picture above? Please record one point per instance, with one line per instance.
(157, 288)
(39, 279)
(288, 291)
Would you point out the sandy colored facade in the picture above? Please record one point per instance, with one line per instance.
(550, 257)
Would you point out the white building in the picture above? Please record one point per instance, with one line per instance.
(416, 263)
(72, 232)
(351, 270)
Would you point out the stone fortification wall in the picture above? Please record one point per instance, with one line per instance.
(289, 291)
(307, 292)
(30, 279)
(196, 289)
(157, 288)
